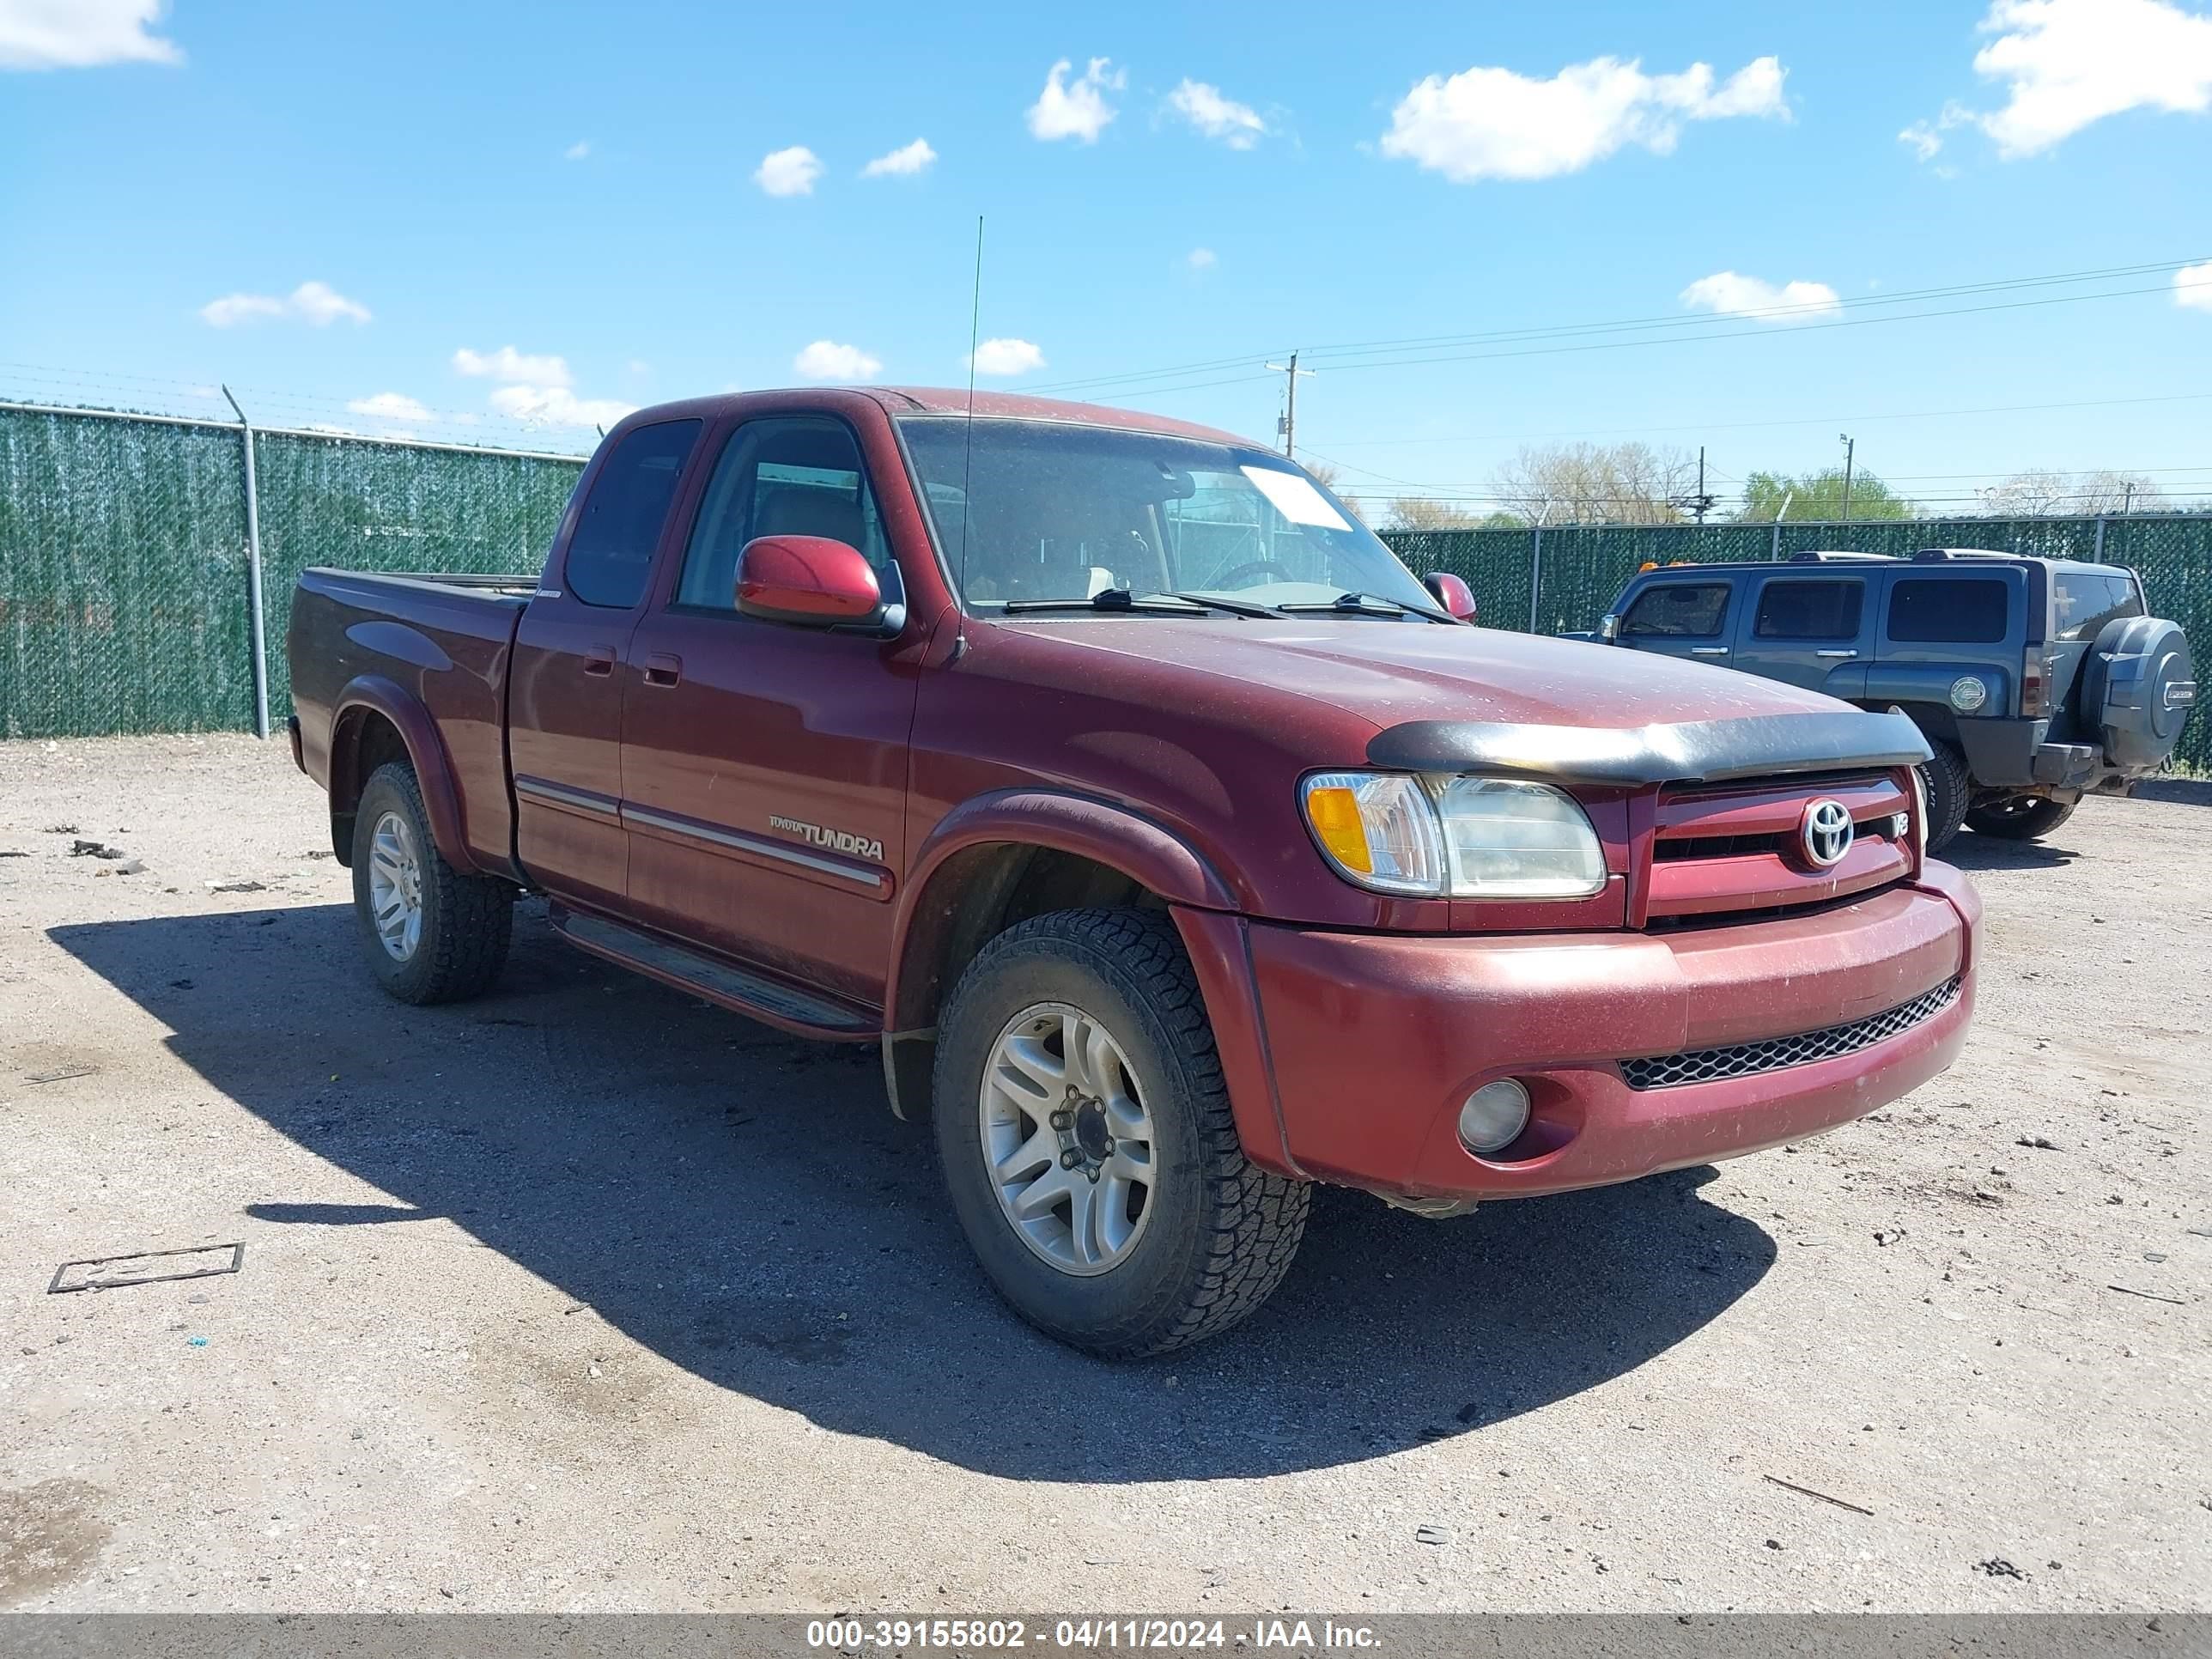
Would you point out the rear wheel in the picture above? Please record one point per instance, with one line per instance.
(2020, 818)
(1943, 777)
(433, 934)
(1087, 1142)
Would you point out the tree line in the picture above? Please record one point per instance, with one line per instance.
(1634, 483)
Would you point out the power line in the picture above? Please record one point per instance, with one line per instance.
(1670, 321)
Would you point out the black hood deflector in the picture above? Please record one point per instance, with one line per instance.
(1696, 751)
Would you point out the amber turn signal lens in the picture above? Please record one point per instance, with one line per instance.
(1333, 811)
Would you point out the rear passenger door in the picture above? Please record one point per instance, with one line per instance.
(565, 684)
(1681, 616)
(1816, 631)
(1941, 622)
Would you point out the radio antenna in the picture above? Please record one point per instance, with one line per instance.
(968, 460)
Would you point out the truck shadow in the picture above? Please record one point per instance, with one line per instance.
(743, 1207)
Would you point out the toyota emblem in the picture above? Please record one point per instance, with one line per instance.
(1826, 834)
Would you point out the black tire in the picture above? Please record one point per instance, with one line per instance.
(1943, 776)
(467, 920)
(1221, 1231)
(2020, 818)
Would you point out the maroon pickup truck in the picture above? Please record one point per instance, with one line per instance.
(1178, 847)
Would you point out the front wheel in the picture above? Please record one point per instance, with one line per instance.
(1087, 1142)
(2020, 818)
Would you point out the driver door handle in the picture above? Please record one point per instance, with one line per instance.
(1709, 651)
(599, 660)
(1835, 653)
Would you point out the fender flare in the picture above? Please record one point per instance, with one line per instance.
(1109, 834)
(426, 753)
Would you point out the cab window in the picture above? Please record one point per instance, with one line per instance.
(2083, 601)
(798, 477)
(611, 555)
(1809, 611)
(1948, 609)
(1678, 611)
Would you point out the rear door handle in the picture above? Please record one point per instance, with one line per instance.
(600, 659)
(1835, 653)
(663, 668)
(1709, 651)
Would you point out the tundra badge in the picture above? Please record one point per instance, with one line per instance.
(834, 841)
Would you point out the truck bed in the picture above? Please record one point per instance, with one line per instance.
(443, 640)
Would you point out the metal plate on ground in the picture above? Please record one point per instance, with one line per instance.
(114, 1273)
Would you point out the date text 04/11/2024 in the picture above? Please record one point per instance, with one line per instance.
(1086, 1635)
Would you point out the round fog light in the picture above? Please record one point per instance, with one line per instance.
(1968, 694)
(1494, 1116)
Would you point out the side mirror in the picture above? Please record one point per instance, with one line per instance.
(1608, 627)
(1453, 595)
(812, 581)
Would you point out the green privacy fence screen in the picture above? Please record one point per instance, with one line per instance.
(1577, 569)
(122, 563)
(124, 573)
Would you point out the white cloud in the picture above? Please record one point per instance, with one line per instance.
(2068, 63)
(389, 406)
(1922, 137)
(1494, 123)
(826, 360)
(513, 367)
(2192, 287)
(788, 171)
(44, 34)
(1238, 126)
(1076, 108)
(905, 159)
(555, 405)
(1007, 357)
(318, 304)
(577, 151)
(1732, 295)
(1201, 259)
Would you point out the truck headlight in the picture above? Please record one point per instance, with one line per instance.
(1461, 838)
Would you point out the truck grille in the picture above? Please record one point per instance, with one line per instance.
(1777, 1054)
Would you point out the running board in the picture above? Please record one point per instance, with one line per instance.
(736, 988)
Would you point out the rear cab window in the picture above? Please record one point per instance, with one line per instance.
(1674, 610)
(1949, 610)
(2083, 601)
(1797, 609)
(611, 555)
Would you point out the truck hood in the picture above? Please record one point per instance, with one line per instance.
(1396, 672)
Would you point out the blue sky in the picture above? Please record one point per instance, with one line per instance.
(557, 212)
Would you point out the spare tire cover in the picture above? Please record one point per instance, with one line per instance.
(2138, 687)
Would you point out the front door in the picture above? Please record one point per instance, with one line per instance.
(764, 766)
(1813, 631)
(1681, 616)
(565, 685)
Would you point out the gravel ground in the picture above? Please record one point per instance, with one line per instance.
(586, 1296)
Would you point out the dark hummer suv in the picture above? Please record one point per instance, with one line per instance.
(2035, 681)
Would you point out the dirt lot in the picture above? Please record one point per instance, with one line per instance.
(586, 1295)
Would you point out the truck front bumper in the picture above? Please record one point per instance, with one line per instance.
(1349, 1055)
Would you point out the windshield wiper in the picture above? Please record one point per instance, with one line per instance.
(1370, 604)
(1166, 605)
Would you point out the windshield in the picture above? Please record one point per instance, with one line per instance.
(1055, 511)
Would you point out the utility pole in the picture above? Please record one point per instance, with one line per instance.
(1288, 426)
(1850, 452)
(1702, 503)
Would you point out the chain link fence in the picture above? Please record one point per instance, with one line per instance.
(125, 573)
(1574, 571)
(124, 568)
